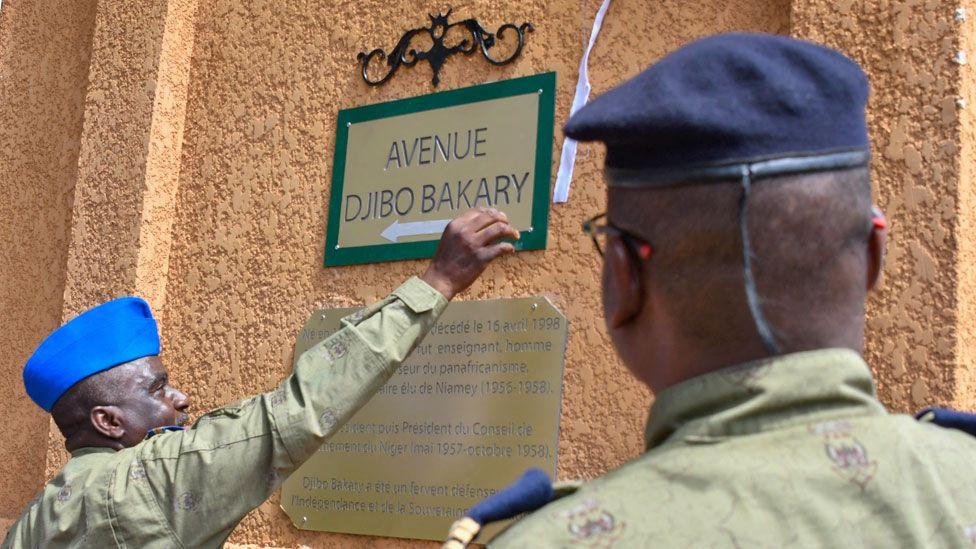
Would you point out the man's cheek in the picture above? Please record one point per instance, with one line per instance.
(168, 416)
(157, 415)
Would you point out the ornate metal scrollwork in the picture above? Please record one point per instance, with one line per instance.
(481, 40)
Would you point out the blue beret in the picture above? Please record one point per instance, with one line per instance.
(730, 99)
(103, 337)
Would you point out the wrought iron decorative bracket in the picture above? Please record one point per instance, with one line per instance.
(481, 40)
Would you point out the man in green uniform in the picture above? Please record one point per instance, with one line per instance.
(100, 378)
(739, 247)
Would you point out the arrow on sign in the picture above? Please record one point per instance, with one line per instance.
(414, 228)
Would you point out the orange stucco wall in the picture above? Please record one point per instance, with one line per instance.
(44, 57)
(920, 342)
(198, 168)
(965, 395)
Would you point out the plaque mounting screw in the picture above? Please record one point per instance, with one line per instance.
(337, 246)
(348, 124)
(528, 230)
(540, 91)
(535, 306)
(304, 520)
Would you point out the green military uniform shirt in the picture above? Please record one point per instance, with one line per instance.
(190, 488)
(790, 452)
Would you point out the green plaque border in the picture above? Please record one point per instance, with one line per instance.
(544, 84)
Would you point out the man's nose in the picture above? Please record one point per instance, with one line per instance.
(180, 401)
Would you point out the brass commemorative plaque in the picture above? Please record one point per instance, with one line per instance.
(475, 405)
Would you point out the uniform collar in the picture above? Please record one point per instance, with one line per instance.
(764, 395)
(92, 450)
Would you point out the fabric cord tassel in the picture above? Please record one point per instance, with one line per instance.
(752, 295)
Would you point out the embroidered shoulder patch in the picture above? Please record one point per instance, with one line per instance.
(328, 419)
(848, 456)
(187, 501)
(590, 525)
(64, 493)
(335, 349)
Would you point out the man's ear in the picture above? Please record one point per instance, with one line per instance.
(107, 420)
(623, 284)
(877, 243)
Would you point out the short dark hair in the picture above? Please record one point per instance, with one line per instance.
(800, 227)
(71, 411)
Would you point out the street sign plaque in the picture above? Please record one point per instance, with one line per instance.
(403, 169)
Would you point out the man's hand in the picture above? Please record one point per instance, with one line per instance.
(468, 245)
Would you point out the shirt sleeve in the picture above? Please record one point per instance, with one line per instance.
(205, 479)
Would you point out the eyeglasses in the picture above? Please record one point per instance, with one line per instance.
(599, 229)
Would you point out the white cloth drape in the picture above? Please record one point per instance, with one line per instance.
(567, 160)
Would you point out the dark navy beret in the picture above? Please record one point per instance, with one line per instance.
(103, 337)
(730, 99)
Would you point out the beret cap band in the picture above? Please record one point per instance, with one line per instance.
(636, 178)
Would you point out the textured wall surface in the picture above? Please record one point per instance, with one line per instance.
(965, 396)
(245, 271)
(114, 143)
(44, 57)
(908, 48)
(194, 169)
(129, 161)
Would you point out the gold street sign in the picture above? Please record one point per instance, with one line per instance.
(475, 405)
(403, 169)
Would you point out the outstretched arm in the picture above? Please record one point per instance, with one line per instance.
(205, 479)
